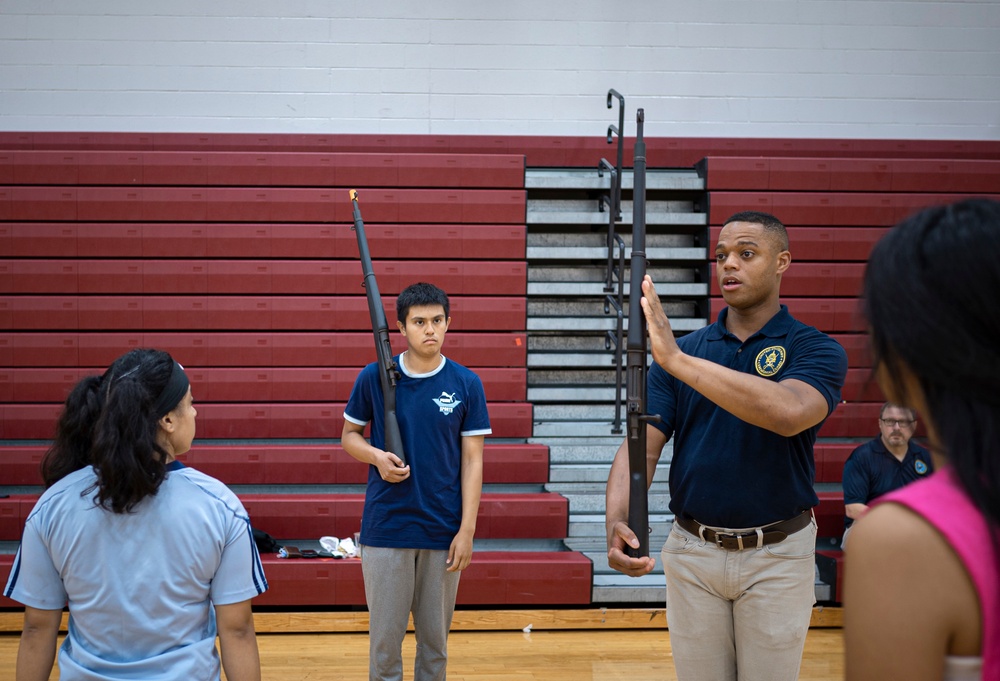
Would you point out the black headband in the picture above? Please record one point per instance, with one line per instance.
(173, 392)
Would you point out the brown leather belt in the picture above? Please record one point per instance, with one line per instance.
(752, 539)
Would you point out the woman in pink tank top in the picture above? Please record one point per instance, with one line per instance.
(922, 583)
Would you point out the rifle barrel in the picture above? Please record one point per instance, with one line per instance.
(380, 329)
(638, 506)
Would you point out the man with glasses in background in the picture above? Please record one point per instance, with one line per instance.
(888, 462)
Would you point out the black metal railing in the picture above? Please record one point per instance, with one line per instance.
(616, 177)
(614, 279)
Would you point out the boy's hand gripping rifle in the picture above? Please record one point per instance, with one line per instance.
(388, 372)
(635, 378)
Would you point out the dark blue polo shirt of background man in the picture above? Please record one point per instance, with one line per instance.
(726, 472)
(872, 470)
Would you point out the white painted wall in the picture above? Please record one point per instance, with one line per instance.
(916, 69)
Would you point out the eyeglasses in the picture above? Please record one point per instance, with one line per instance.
(892, 423)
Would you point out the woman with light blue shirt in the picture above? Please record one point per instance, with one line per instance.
(153, 559)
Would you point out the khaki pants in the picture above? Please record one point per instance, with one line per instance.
(739, 615)
(398, 582)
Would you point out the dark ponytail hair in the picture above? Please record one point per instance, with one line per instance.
(70, 451)
(930, 293)
(112, 423)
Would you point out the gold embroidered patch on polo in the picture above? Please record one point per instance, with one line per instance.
(770, 360)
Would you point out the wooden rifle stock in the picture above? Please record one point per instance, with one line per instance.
(635, 377)
(388, 372)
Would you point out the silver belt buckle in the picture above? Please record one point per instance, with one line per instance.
(738, 536)
(719, 536)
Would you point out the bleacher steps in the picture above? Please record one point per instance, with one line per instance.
(571, 376)
(566, 289)
(545, 430)
(587, 178)
(553, 214)
(576, 393)
(584, 472)
(600, 253)
(588, 497)
(596, 324)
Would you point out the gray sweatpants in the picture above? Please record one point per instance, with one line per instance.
(398, 582)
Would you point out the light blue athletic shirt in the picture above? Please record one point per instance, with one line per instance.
(435, 411)
(140, 586)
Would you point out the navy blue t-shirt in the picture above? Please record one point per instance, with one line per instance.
(435, 411)
(726, 472)
(871, 471)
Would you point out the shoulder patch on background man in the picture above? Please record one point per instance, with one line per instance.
(770, 360)
(920, 467)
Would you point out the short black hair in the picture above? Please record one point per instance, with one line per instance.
(420, 294)
(771, 224)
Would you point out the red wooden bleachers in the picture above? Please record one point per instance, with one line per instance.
(213, 204)
(69, 276)
(538, 150)
(273, 168)
(851, 175)
(220, 384)
(220, 312)
(311, 516)
(241, 262)
(495, 578)
(261, 240)
(830, 458)
(237, 348)
(861, 386)
(830, 514)
(858, 352)
(835, 244)
(235, 253)
(829, 208)
(213, 256)
(240, 420)
(298, 464)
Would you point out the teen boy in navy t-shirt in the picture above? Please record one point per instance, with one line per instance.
(419, 519)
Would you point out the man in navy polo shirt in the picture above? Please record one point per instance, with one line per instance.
(743, 399)
(888, 462)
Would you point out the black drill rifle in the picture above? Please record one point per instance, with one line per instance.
(388, 372)
(635, 377)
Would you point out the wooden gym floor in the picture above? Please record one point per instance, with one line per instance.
(488, 645)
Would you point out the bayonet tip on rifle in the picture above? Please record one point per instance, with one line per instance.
(354, 194)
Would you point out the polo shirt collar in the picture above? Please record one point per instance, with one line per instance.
(777, 326)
